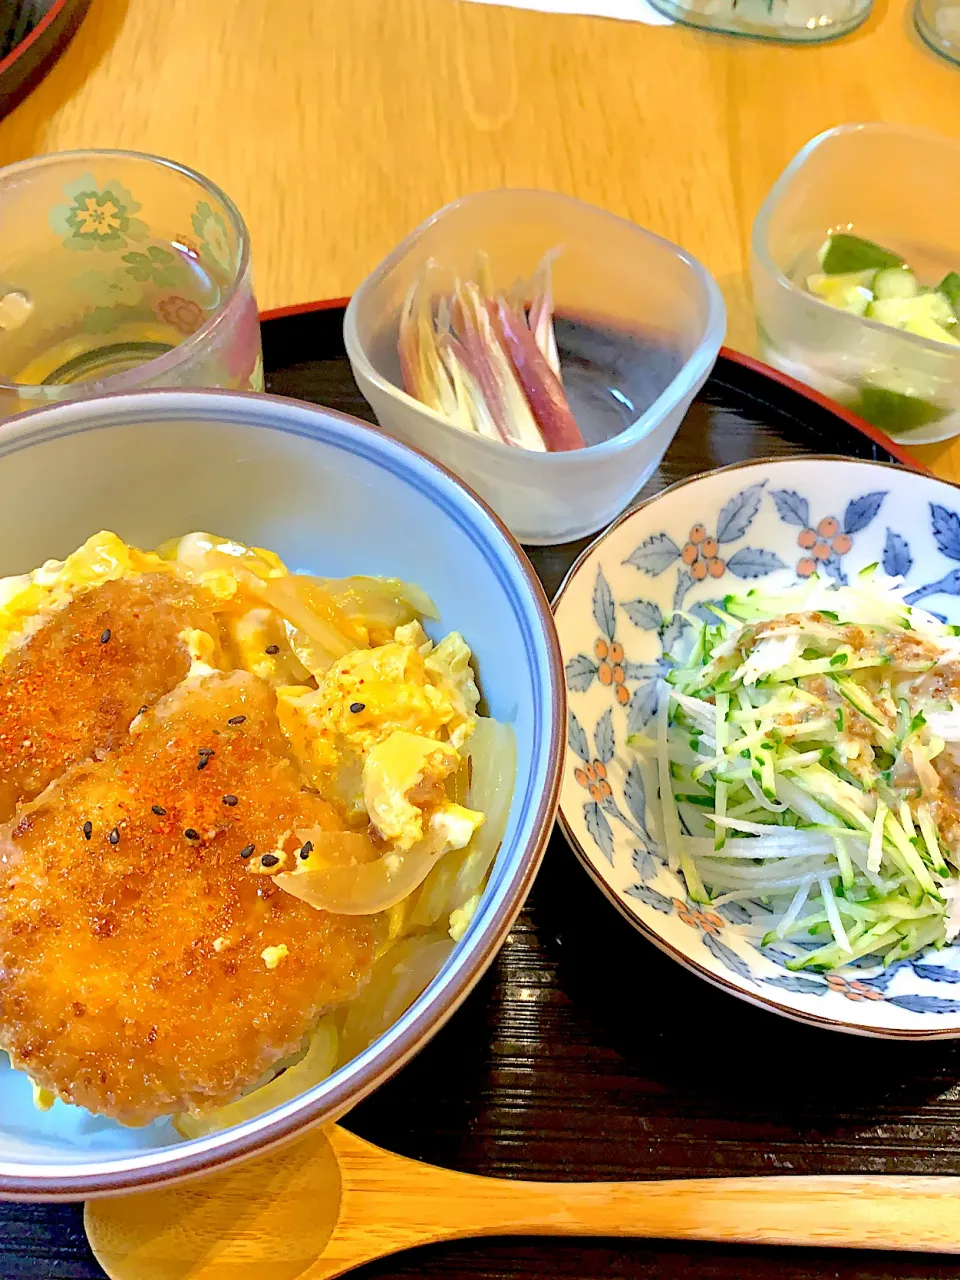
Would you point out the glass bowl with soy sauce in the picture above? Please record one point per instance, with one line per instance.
(509, 313)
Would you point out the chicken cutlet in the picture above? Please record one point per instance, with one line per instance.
(148, 963)
(72, 688)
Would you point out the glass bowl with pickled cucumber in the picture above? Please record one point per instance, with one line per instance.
(856, 276)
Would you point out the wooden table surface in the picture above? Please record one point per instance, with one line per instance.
(338, 125)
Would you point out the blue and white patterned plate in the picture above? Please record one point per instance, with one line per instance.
(772, 521)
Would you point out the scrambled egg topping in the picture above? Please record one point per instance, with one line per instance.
(382, 733)
(28, 598)
(383, 730)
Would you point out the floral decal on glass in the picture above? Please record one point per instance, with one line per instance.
(183, 314)
(97, 216)
(214, 238)
(158, 266)
(108, 288)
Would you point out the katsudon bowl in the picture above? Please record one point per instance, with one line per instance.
(330, 496)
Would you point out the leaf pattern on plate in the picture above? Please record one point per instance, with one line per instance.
(603, 607)
(791, 507)
(737, 515)
(642, 707)
(704, 612)
(754, 562)
(672, 633)
(581, 672)
(860, 511)
(896, 560)
(635, 792)
(925, 1004)
(643, 893)
(949, 585)
(599, 827)
(604, 737)
(643, 670)
(735, 913)
(727, 957)
(946, 530)
(684, 583)
(654, 554)
(799, 986)
(834, 569)
(644, 864)
(576, 738)
(644, 614)
(934, 972)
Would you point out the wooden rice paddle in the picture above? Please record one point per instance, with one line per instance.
(330, 1201)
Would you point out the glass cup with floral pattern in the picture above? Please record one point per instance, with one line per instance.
(120, 271)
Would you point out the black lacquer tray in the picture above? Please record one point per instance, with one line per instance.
(564, 1063)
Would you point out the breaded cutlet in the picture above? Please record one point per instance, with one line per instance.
(72, 688)
(138, 923)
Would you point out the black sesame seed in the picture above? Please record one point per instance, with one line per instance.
(205, 751)
(230, 801)
(191, 834)
(247, 850)
(236, 720)
(269, 860)
(105, 637)
(114, 836)
(203, 762)
(357, 707)
(87, 830)
(272, 648)
(307, 849)
(159, 810)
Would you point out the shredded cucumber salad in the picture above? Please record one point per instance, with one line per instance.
(808, 756)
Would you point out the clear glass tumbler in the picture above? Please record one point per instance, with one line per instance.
(120, 271)
(938, 22)
(788, 21)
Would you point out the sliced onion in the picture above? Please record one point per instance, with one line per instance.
(388, 601)
(203, 551)
(316, 1064)
(398, 977)
(365, 885)
(491, 753)
(331, 634)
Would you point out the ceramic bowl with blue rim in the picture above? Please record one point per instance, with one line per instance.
(768, 522)
(332, 496)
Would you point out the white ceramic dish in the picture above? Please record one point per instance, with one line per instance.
(613, 616)
(611, 274)
(330, 495)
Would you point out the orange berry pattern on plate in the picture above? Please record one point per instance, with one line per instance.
(823, 543)
(701, 555)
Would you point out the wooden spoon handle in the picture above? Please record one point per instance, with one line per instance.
(415, 1203)
(839, 1211)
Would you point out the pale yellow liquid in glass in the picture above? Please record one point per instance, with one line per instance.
(75, 331)
(77, 359)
